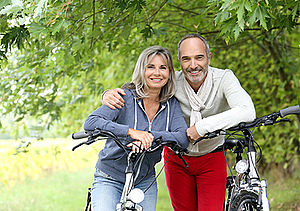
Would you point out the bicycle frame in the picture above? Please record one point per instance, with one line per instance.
(247, 178)
(126, 203)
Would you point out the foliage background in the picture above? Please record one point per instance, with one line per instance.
(57, 56)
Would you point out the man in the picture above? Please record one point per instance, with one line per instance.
(210, 99)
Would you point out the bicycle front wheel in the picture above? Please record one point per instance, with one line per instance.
(245, 201)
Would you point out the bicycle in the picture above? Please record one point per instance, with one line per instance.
(131, 197)
(246, 192)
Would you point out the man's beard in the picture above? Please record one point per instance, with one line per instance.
(198, 78)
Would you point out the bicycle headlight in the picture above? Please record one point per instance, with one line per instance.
(136, 195)
(241, 166)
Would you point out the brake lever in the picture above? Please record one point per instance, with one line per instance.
(179, 151)
(78, 145)
(208, 136)
(88, 142)
(179, 154)
(276, 121)
(282, 120)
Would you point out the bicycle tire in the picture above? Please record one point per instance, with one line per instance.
(245, 201)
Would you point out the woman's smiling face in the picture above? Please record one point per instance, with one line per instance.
(156, 72)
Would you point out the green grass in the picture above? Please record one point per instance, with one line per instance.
(56, 191)
(60, 191)
(284, 194)
(163, 200)
(66, 190)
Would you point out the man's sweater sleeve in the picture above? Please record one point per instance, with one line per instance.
(240, 103)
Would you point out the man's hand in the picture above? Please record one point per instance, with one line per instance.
(192, 134)
(113, 99)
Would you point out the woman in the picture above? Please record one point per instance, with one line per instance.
(150, 111)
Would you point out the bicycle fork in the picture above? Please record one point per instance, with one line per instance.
(263, 202)
(125, 203)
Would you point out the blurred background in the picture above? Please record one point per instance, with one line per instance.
(58, 56)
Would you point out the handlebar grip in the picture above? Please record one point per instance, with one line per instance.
(290, 110)
(79, 135)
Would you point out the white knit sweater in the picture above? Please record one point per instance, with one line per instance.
(227, 105)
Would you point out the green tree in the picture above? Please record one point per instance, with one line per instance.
(57, 56)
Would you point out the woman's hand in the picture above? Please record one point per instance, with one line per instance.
(143, 139)
(135, 146)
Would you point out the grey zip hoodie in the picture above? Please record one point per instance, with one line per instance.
(168, 123)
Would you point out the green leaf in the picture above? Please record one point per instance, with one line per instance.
(14, 7)
(160, 31)
(295, 11)
(240, 14)
(57, 26)
(126, 32)
(41, 7)
(248, 6)
(241, 24)
(267, 2)
(16, 35)
(236, 31)
(138, 5)
(261, 16)
(2, 55)
(36, 28)
(221, 16)
(147, 31)
(252, 17)
(4, 3)
(226, 5)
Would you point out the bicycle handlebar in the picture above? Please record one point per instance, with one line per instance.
(264, 120)
(92, 135)
(80, 135)
(290, 110)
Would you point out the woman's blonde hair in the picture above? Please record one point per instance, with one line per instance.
(138, 81)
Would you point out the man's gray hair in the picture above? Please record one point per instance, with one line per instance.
(193, 36)
(138, 77)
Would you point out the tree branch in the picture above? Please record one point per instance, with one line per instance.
(94, 22)
(184, 10)
(61, 9)
(83, 21)
(155, 13)
(175, 24)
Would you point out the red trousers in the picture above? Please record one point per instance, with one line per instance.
(201, 187)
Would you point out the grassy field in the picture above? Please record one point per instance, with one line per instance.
(52, 177)
(47, 175)
(60, 191)
(56, 191)
(65, 191)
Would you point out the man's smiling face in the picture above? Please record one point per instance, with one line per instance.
(194, 60)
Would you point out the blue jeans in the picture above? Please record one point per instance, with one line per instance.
(107, 192)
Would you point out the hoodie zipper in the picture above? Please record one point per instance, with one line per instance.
(150, 123)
